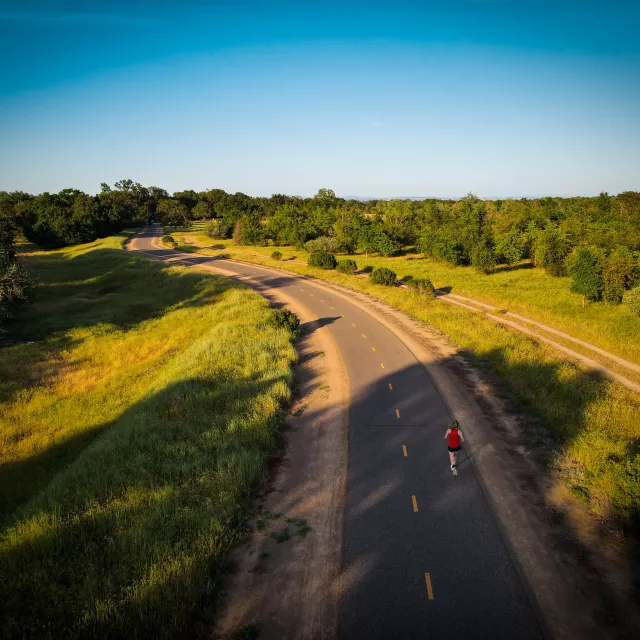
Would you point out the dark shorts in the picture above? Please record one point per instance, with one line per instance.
(454, 449)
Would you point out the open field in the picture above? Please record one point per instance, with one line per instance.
(137, 406)
(593, 423)
(521, 288)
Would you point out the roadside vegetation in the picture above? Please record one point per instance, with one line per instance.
(138, 404)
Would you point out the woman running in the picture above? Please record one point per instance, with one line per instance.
(454, 440)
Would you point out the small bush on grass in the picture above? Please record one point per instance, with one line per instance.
(322, 260)
(167, 239)
(323, 243)
(384, 276)
(347, 266)
(423, 286)
(283, 318)
(276, 255)
(632, 300)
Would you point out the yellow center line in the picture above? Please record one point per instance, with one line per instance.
(427, 579)
(353, 325)
(373, 349)
(321, 300)
(404, 450)
(397, 414)
(390, 387)
(382, 365)
(415, 504)
(331, 307)
(365, 337)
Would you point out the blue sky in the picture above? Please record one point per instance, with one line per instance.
(433, 98)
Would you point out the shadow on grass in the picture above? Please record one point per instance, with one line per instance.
(131, 537)
(513, 267)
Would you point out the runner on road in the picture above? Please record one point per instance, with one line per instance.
(454, 440)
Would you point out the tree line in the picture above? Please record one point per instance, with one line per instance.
(596, 240)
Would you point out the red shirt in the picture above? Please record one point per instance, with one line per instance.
(454, 438)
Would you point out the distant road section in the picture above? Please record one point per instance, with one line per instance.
(421, 554)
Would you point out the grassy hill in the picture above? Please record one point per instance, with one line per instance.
(137, 406)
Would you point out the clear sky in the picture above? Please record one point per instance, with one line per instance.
(397, 98)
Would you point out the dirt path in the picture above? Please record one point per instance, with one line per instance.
(511, 320)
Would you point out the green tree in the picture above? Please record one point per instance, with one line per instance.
(509, 247)
(551, 249)
(586, 270)
(483, 257)
(172, 213)
(368, 239)
(618, 275)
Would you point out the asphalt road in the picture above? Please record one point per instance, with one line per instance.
(422, 556)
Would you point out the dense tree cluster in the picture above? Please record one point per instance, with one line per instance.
(15, 282)
(554, 233)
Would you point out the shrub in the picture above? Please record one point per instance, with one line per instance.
(424, 286)
(276, 255)
(618, 275)
(483, 258)
(386, 245)
(385, 276)
(168, 239)
(323, 243)
(632, 300)
(585, 269)
(283, 318)
(322, 260)
(550, 251)
(347, 266)
(216, 229)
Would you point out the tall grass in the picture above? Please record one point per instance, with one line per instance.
(593, 424)
(134, 429)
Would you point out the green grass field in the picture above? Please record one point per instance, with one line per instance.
(521, 289)
(138, 404)
(593, 423)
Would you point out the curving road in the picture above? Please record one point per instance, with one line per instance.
(421, 549)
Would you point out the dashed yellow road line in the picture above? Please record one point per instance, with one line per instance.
(321, 300)
(331, 307)
(365, 337)
(404, 450)
(353, 325)
(390, 387)
(415, 504)
(427, 579)
(397, 414)
(382, 365)
(373, 349)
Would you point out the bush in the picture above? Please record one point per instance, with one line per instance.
(483, 258)
(550, 251)
(585, 269)
(423, 286)
(168, 239)
(322, 260)
(618, 275)
(276, 255)
(323, 243)
(216, 229)
(347, 266)
(632, 300)
(384, 276)
(283, 318)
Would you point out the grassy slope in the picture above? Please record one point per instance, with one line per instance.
(595, 423)
(135, 414)
(522, 289)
